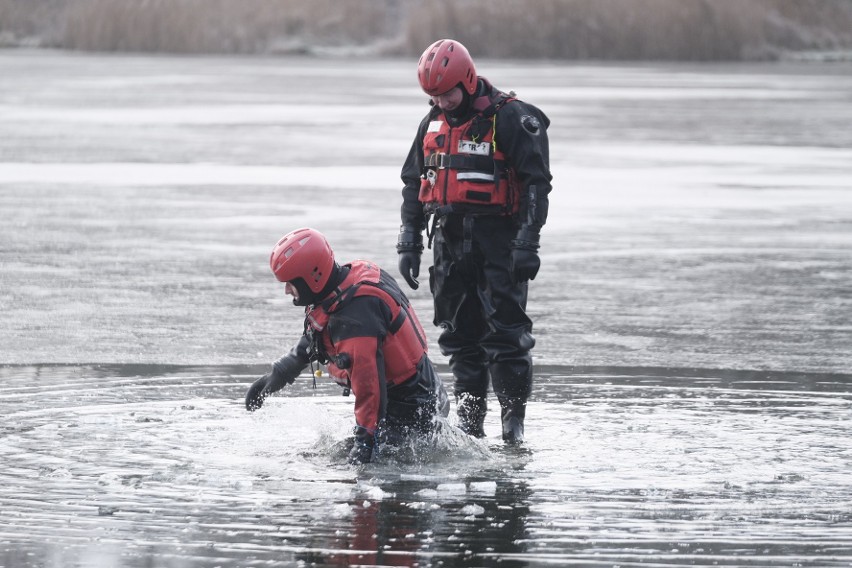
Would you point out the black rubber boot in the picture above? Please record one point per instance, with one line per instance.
(471, 411)
(512, 382)
(514, 410)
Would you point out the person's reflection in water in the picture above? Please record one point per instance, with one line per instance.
(474, 529)
(384, 533)
(482, 536)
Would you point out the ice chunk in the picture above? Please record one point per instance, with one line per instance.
(452, 488)
(489, 487)
(472, 510)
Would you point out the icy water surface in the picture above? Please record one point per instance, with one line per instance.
(153, 466)
(692, 316)
(701, 216)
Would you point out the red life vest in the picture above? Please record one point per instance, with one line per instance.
(403, 347)
(463, 165)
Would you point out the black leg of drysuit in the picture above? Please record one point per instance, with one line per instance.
(487, 333)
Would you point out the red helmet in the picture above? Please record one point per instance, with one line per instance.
(445, 64)
(305, 259)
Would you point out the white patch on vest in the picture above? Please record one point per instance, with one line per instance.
(478, 176)
(470, 147)
(435, 126)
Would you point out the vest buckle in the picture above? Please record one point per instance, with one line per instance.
(440, 160)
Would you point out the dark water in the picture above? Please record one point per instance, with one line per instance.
(111, 466)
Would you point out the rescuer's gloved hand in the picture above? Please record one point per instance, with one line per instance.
(284, 372)
(257, 393)
(409, 267)
(410, 247)
(362, 449)
(525, 262)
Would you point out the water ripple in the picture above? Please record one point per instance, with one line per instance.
(129, 467)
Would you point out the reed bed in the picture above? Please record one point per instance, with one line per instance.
(697, 30)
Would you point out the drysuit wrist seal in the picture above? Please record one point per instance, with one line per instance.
(527, 238)
(410, 240)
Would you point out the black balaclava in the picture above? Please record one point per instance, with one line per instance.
(307, 296)
(464, 111)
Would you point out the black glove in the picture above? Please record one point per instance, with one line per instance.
(524, 262)
(284, 372)
(409, 267)
(362, 449)
(410, 247)
(257, 393)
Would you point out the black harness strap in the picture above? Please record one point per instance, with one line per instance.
(443, 161)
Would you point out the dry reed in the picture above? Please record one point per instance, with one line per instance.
(556, 29)
(636, 29)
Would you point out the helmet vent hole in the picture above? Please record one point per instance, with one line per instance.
(445, 62)
(289, 252)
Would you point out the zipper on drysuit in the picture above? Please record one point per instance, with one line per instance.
(449, 144)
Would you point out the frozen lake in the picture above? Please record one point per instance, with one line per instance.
(693, 394)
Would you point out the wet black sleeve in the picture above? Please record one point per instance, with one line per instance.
(412, 210)
(522, 136)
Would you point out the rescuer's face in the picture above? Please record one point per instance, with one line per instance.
(449, 100)
(290, 290)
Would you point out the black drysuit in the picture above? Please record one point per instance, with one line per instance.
(487, 333)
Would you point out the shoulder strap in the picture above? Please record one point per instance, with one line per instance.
(495, 102)
(385, 287)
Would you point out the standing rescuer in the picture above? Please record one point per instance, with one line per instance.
(360, 325)
(479, 168)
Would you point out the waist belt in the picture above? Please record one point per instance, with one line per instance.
(464, 210)
(444, 161)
